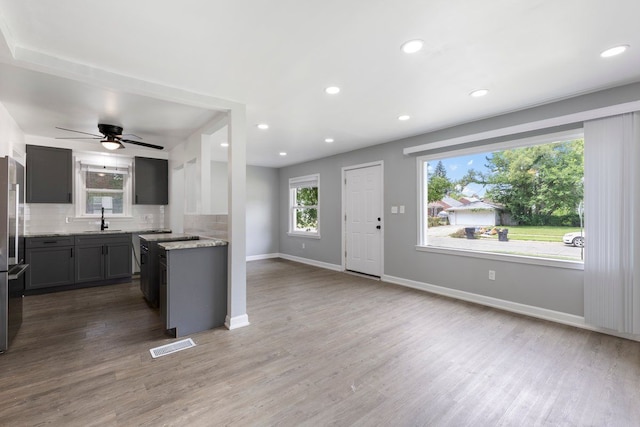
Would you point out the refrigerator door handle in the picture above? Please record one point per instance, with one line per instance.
(17, 239)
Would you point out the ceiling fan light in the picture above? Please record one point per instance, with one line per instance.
(111, 144)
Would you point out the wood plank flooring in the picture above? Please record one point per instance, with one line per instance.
(323, 348)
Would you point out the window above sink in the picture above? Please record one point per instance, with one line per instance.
(103, 182)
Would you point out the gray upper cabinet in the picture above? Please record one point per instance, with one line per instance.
(150, 181)
(49, 175)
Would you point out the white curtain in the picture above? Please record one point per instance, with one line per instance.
(612, 231)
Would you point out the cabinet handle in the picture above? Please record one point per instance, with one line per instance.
(136, 199)
(69, 197)
(50, 241)
(71, 252)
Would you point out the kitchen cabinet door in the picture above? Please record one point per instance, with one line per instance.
(90, 262)
(117, 258)
(103, 257)
(49, 267)
(150, 181)
(49, 175)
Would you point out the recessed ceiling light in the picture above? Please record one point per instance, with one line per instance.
(404, 117)
(478, 93)
(332, 90)
(614, 51)
(412, 46)
(224, 144)
(329, 140)
(263, 126)
(282, 153)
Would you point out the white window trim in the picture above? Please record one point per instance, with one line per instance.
(298, 180)
(81, 166)
(423, 246)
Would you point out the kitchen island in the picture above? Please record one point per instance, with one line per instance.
(193, 285)
(149, 254)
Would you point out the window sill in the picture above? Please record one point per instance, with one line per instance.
(545, 262)
(307, 235)
(98, 217)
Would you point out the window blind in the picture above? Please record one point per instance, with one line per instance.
(612, 235)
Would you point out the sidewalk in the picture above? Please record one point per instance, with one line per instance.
(439, 237)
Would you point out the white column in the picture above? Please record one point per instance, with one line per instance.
(205, 174)
(237, 270)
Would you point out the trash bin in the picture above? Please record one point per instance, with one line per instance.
(502, 235)
(470, 232)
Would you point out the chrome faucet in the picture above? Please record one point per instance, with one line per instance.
(103, 224)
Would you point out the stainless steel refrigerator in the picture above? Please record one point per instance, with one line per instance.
(11, 253)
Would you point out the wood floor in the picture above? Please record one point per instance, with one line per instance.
(323, 348)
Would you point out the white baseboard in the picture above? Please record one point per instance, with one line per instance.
(514, 307)
(263, 256)
(236, 322)
(334, 267)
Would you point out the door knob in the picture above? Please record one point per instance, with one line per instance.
(378, 227)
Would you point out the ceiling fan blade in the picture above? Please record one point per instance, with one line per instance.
(130, 134)
(77, 131)
(61, 137)
(144, 144)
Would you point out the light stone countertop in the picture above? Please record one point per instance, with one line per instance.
(107, 231)
(191, 244)
(168, 237)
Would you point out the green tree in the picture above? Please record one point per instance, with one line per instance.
(438, 185)
(440, 170)
(307, 211)
(539, 182)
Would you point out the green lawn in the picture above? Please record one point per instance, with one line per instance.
(538, 234)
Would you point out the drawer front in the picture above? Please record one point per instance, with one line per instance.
(102, 239)
(43, 242)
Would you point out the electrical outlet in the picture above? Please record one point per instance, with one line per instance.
(303, 246)
(492, 275)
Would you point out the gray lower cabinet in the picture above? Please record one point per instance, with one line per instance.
(103, 257)
(56, 262)
(193, 289)
(51, 262)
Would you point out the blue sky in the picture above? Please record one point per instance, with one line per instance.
(457, 167)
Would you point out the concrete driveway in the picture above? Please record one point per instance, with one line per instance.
(439, 236)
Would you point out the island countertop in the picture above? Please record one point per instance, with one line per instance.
(168, 237)
(191, 244)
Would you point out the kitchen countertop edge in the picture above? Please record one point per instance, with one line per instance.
(192, 244)
(97, 232)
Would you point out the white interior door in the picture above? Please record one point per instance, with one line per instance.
(363, 228)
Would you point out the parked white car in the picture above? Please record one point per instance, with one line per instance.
(575, 239)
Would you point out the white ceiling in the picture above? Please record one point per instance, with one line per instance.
(277, 57)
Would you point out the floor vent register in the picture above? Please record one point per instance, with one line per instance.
(163, 350)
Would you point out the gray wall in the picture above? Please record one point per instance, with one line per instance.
(263, 211)
(546, 287)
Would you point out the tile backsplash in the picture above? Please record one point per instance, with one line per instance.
(206, 225)
(55, 217)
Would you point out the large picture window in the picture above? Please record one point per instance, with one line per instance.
(523, 199)
(304, 205)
